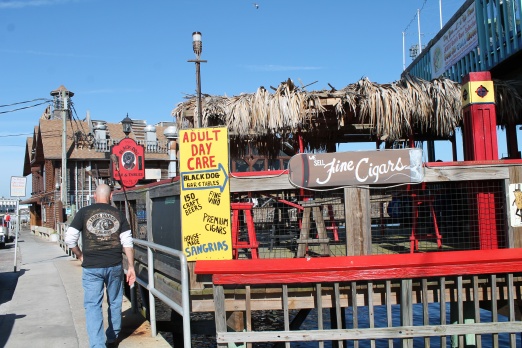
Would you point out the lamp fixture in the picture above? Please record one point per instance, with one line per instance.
(197, 44)
(126, 124)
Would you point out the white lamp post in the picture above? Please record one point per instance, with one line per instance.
(197, 46)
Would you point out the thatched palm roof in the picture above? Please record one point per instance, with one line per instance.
(410, 106)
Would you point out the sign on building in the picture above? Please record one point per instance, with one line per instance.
(18, 184)
(455, 43)
(205, 194)
(356, 168)
(128, 162)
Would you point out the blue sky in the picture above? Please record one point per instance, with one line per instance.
(122, 57)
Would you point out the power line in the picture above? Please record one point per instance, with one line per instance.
(415, 16)
(76, 120)
(24, 102)
(22, 134)
(25, 107)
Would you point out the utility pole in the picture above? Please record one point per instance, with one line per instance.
(63, 184)
(403, 52)
(440, 13)
(419, 29)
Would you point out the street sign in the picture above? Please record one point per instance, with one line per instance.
(18, 184)
(205, 194)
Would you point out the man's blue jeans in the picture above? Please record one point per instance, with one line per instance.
(93, 280)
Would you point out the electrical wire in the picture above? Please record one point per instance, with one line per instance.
(77, 120)
(25, 134)
(24, 102)
(415, 16)
(25, 107)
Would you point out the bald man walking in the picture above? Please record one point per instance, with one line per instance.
(105, 234)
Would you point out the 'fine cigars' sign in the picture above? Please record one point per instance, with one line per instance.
(356, 168)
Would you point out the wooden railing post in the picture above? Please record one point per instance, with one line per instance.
(406, 310)
(220, 313)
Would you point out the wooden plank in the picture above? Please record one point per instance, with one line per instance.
(425, 313)
(220, 313)
(406, 310)
(494, 308)
(389, 316)
(273, 181)
(465, 173)
(358, 217)
(403, 332)
(319, 307)
(460, 308)
(355, 316)
(248, 308)
(286, 315)
(442, 300)
(476, 308)
(511, 304)
(317, 213)
(371, 312)
(304, 235)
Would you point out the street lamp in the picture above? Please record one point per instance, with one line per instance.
(126, 123)
(197, 46)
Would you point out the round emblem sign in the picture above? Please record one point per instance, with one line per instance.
(128, 160)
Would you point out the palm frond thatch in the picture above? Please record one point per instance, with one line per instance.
(396, 110)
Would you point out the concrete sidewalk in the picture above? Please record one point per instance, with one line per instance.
(41, 305)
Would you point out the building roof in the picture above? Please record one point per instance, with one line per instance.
(47, 142)
(27, 159)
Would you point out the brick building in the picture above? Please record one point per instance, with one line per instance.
(88, 145)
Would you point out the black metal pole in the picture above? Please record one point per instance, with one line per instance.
(198, 82)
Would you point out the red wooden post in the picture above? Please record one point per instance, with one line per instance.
(480, 143)
(480, 117)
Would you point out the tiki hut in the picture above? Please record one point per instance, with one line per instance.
(410, 108)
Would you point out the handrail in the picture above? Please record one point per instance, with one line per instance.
(184, 309)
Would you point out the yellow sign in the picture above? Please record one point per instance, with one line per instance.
(205, 194)
(477, 92)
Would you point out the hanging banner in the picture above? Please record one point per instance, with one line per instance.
(354, 168)
(205, 194)
(455, 43)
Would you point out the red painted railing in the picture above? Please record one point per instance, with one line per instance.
(357, 268)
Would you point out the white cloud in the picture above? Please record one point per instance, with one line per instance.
(31, 3)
